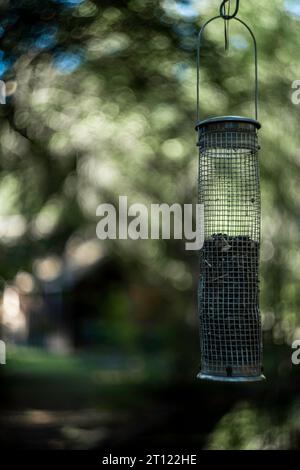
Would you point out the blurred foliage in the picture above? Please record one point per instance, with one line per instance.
(101, 103)
(248, 428)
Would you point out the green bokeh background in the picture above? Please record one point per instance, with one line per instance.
(102, 336)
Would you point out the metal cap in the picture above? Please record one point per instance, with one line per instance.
(229, 119)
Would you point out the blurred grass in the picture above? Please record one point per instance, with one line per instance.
(50, 381)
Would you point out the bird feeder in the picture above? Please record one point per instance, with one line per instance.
(228, 293)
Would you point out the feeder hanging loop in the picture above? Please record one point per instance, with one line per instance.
(200, 37)
(228, 16)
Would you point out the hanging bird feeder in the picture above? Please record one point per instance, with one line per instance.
(229, 189)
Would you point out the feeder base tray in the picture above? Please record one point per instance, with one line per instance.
(220, 378)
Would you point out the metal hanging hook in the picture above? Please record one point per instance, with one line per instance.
(228, 16)
(255, 62)
(226, 27)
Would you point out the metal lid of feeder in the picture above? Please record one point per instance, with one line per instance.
(228, 119)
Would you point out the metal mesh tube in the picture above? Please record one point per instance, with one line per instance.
(228, 295)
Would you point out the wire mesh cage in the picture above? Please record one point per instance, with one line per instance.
(228, 292)
(229, 189)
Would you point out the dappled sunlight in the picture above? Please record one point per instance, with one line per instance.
(13, 319)
(82, 429)
(83, 253)
(102, 335)
(48, 269)
(248, 428)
